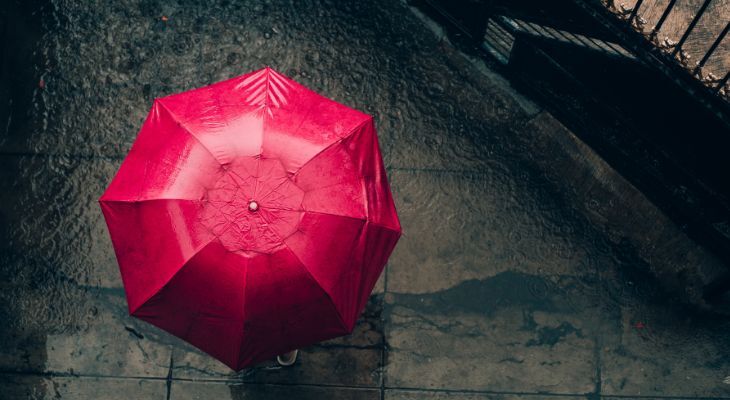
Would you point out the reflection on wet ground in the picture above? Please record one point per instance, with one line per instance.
(528, 268)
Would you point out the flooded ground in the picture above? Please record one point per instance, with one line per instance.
(528, 269)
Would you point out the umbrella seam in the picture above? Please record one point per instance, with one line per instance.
(258, 171)
(338, 141)
(144, 200)
(390, 228)
(362, 231)
(195, 252)
(284, 181)
(365, 223)
(309, 273)
(295, 131)
(243, 317)
(336, 215)
(186, 129)
(291, 84)
(329, 297)
(329, 186)
(304, 118)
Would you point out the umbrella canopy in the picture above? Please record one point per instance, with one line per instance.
(251, 217)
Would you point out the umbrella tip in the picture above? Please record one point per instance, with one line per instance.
(253, 206)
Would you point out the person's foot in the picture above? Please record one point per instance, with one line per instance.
(287, 359)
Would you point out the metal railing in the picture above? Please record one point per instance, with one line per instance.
(672, 42)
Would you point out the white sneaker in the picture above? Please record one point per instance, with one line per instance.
(287, 359)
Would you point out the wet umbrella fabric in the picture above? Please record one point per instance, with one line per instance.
(251, 217)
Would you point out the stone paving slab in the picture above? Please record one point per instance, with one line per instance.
(652, 345)
(429, 395)
(463, 313)
(104, 342)
(460, 226)
(461, 316)
(73, 320)
(112, 344)
(51, 216)
(182, 390)
(661, 350)
(29, 387)
(493, 335)
(103, 66)
(95, 97)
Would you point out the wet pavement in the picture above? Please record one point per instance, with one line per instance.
(528, 268)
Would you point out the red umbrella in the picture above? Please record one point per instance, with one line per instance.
(251, 217)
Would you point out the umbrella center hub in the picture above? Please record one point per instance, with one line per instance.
(252, 205)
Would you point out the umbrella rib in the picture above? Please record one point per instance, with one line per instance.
(186, 129)
(281, 239)
(326, 213)
(350, 179)
(167, 282)
(331, 301)
(243, 316)
(336, 215)
(144, 200)
(338, 141)
(296, 131)
(282, 209)
(258, 172)
(275, 188)
(390, 228)
(329, 297)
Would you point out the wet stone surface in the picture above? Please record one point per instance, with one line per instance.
(527, 270)
(231, 391)
(30, 387)
(413, 395)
